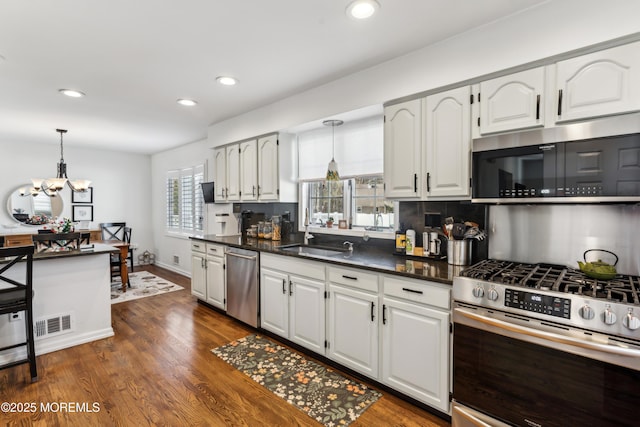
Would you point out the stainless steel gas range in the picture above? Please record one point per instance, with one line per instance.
(544, 345)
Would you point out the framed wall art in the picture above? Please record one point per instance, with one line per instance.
(82, 213)
(85, 197)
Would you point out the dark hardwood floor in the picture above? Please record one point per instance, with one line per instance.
(158, 370)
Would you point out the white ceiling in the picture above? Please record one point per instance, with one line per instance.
(135, 58)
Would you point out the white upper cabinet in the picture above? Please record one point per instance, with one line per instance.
(220, 165)
(403, 149)
(233, 173)
(248, 170)
(268, 178)
(448, 144)
(512, 102)
(599, 84)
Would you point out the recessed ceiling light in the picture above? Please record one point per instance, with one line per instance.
(187, 102)
(71, 92)
(362, 9)
(227, 81)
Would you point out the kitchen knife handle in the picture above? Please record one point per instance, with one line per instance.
(538, 108)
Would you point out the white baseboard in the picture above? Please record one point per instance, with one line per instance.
(54, 344)
(173, 268)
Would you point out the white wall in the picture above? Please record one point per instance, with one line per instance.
(120, 182)
(552, 28)
(167, 245)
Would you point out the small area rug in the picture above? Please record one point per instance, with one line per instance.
(143, 284)
(321, 393)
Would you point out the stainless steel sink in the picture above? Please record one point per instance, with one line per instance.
(312, 250)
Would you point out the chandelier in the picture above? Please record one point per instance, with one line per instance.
(52, 186)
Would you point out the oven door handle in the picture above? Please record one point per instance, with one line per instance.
(548, 336)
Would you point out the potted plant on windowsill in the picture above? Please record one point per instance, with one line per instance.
(330, 222)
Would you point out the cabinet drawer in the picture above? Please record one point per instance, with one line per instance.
(291, 265)
(435, 294)
(355, 278)
(198, 246)
(215, 250)
(18, 240)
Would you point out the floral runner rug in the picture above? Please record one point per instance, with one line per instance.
(143, 284)
(322, 393)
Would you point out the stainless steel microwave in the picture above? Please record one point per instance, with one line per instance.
(598, 161)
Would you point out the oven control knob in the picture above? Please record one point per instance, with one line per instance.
(492, 294)
(630, 321)
(608, 316)
(587, 312)
(478, 291)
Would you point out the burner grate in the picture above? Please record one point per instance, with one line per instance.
(557, 278)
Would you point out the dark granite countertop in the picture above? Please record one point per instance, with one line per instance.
(369, 257)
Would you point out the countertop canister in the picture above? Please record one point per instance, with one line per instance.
(410, 241)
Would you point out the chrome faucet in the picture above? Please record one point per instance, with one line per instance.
(307, 236)
(349, 245)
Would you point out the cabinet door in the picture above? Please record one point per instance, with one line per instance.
(353, 329)
(448, 144)
(248, 171)
(274, 302)
(415, 351)
(220, 165)
(268, 178)
(198, 276)
(599, 84)
(216, 288)
(402, 149)
(306, 313)
(233, 172)
(512, 102)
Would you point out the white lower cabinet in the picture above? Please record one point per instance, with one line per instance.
(292, 294)
(353, 320)
(392, 329)
(416, 340)
(207, 273)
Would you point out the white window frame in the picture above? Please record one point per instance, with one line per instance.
(349, 208)
(190, 215)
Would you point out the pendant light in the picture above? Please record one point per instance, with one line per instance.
(52, 186)
(332, 170)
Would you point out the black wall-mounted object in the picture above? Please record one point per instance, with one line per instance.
(208, 192)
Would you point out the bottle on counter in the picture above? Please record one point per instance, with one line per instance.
(411, 242)
(401, 241)
(260, 229)
(276, 225)
(268, 230)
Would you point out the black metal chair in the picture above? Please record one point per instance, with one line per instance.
(18, 297)
(56, 241)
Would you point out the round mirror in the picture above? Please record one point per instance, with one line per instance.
(33, 210)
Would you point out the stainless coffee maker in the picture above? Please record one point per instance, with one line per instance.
(433, 240)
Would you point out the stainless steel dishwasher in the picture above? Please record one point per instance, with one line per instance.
(242, 285)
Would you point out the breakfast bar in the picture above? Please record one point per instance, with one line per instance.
(71, 304)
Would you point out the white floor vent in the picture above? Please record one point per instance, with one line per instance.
(55, 325)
